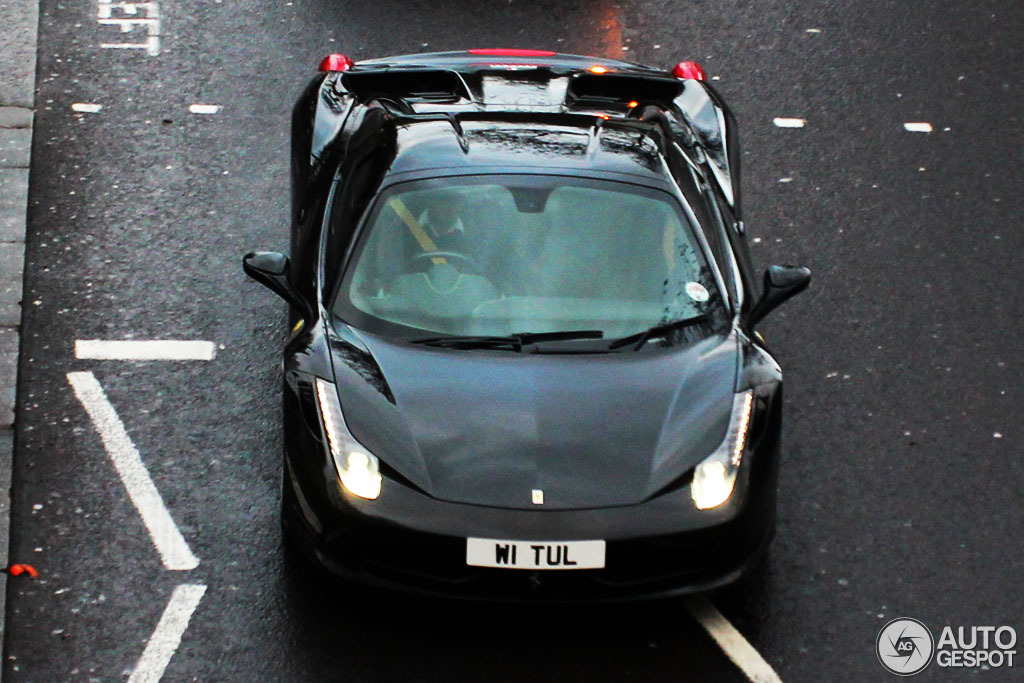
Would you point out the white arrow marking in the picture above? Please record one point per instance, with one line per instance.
(174, 551)
(167, 636)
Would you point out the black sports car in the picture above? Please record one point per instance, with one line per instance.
(523, 363)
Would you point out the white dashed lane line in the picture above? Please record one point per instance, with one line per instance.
(174, 551)
(167, 636)
(205, 108)
(100, 349)
(785, 122)
(732, 642)
(86, 107)
(918, 127)
(910, 126)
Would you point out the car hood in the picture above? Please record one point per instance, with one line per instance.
(489, 427)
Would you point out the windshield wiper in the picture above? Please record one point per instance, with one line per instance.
(514, 341)
(534, 337)
(469, 342)
(641, 338)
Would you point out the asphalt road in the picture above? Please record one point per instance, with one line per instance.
(902, 485)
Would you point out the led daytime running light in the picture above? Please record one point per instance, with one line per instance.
(330, 410)
(715, 478)
(358, 469)
(740, 426)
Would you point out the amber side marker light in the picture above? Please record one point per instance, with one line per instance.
(598, 69)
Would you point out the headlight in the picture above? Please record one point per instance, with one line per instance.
(715, 477)
(358, 469)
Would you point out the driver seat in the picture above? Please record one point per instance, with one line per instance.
(441, 292)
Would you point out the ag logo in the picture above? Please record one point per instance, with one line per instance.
(905, 646)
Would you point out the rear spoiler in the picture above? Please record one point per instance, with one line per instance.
(447, 85)
(406, 84)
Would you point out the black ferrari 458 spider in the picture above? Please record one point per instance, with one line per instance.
(524, 363)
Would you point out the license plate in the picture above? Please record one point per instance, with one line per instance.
(492, 552)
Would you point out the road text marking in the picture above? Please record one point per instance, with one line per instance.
(170, 349)
(131, 15)
(918, 127)
(783, 122)
(732, 642)
(167, 636)
(174, 551)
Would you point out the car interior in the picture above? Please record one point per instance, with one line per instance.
(569, 257)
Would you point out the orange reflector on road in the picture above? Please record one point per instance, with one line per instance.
(19, 569)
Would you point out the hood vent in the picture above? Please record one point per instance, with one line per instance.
(606, 88)
(434, 85)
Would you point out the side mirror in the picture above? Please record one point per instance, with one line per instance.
(270, 269)
(781, 283)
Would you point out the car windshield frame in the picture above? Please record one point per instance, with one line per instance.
(342, 309)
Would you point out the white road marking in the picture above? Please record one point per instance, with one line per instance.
(174, 551)
(918, 127)
(167, 636)
(151, 46)
(128, 20)
(785, 180)
(159, 349)
(783, 122)
(204, 108)
(814, 30)
(732, 642)
(86, 107)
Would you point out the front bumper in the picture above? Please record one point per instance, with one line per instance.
(410, 542)
(434, 565)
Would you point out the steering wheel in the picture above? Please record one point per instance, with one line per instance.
(473, 267)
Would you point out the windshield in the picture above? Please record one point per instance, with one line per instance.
(511, 254)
